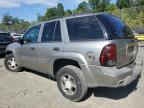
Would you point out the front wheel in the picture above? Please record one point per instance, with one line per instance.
(10, 63)
(71, 83)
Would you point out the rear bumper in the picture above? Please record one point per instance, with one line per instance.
(135, 73)
(112, 77)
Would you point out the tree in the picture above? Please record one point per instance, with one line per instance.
(39, 17)
(11, 23)
(68, 12)
(141, 3)
(111, 7)
(94, 4)
(99, 5)
(123, 4)
(103, 4)
(7, 19)
(16, 20)
(82, 7)
(50, 14)
(129, 3)
(137, 3)
(60, 10)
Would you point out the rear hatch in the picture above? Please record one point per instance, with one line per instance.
(126, 52)
(123, 37)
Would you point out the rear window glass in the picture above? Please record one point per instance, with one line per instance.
(84, 28)
(5, 37)
(119, 28)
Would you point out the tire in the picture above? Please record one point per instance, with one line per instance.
(78, 81)
(6, 63)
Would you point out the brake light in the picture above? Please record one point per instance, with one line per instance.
(108, 55)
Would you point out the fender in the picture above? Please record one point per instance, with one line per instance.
(72, 56)
(78, 57)
(12, 48)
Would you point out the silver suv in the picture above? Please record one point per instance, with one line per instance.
(81, 52)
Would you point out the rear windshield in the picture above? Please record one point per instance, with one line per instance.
(84, 28)
(5, 37)
(119, 29)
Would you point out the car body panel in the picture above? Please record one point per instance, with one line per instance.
(46, 55)
(26, 56)
(126, 51)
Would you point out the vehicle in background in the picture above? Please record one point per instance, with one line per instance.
(16, 36)
(139, 33)
(139, 37)
(5, 40)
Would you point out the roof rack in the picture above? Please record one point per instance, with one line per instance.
(72, 15)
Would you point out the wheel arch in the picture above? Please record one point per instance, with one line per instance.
(9, 52)
(61, 62)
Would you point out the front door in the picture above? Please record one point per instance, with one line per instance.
(27, 52)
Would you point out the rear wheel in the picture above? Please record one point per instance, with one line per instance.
(71, 83)
(10, 63)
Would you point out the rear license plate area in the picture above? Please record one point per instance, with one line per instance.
(131, 49)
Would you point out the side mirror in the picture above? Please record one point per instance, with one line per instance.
(21, 41)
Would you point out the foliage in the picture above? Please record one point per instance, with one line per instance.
(52, 13)
(82, 8)
(99, 5)
(7, 19)
(123, 4)
(134, 17)
(129, 3)
(60, 10)
(111, 7)
(13, 23)
(68, 12)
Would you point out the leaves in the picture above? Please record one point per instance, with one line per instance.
(82, 8)
(13, 23)
(52, 13)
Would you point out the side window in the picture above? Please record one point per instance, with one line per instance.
(84, 28)
(51, 32)
(31, 35)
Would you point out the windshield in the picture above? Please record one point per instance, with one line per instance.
(5, 37)
(119, 29)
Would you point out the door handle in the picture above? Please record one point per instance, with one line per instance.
(32, 48)
(56, 49)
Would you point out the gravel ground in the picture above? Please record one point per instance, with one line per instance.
(33, 90)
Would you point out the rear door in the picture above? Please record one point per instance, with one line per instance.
(123, 37)
(50, 45)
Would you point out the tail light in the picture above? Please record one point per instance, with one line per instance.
(108, 55)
